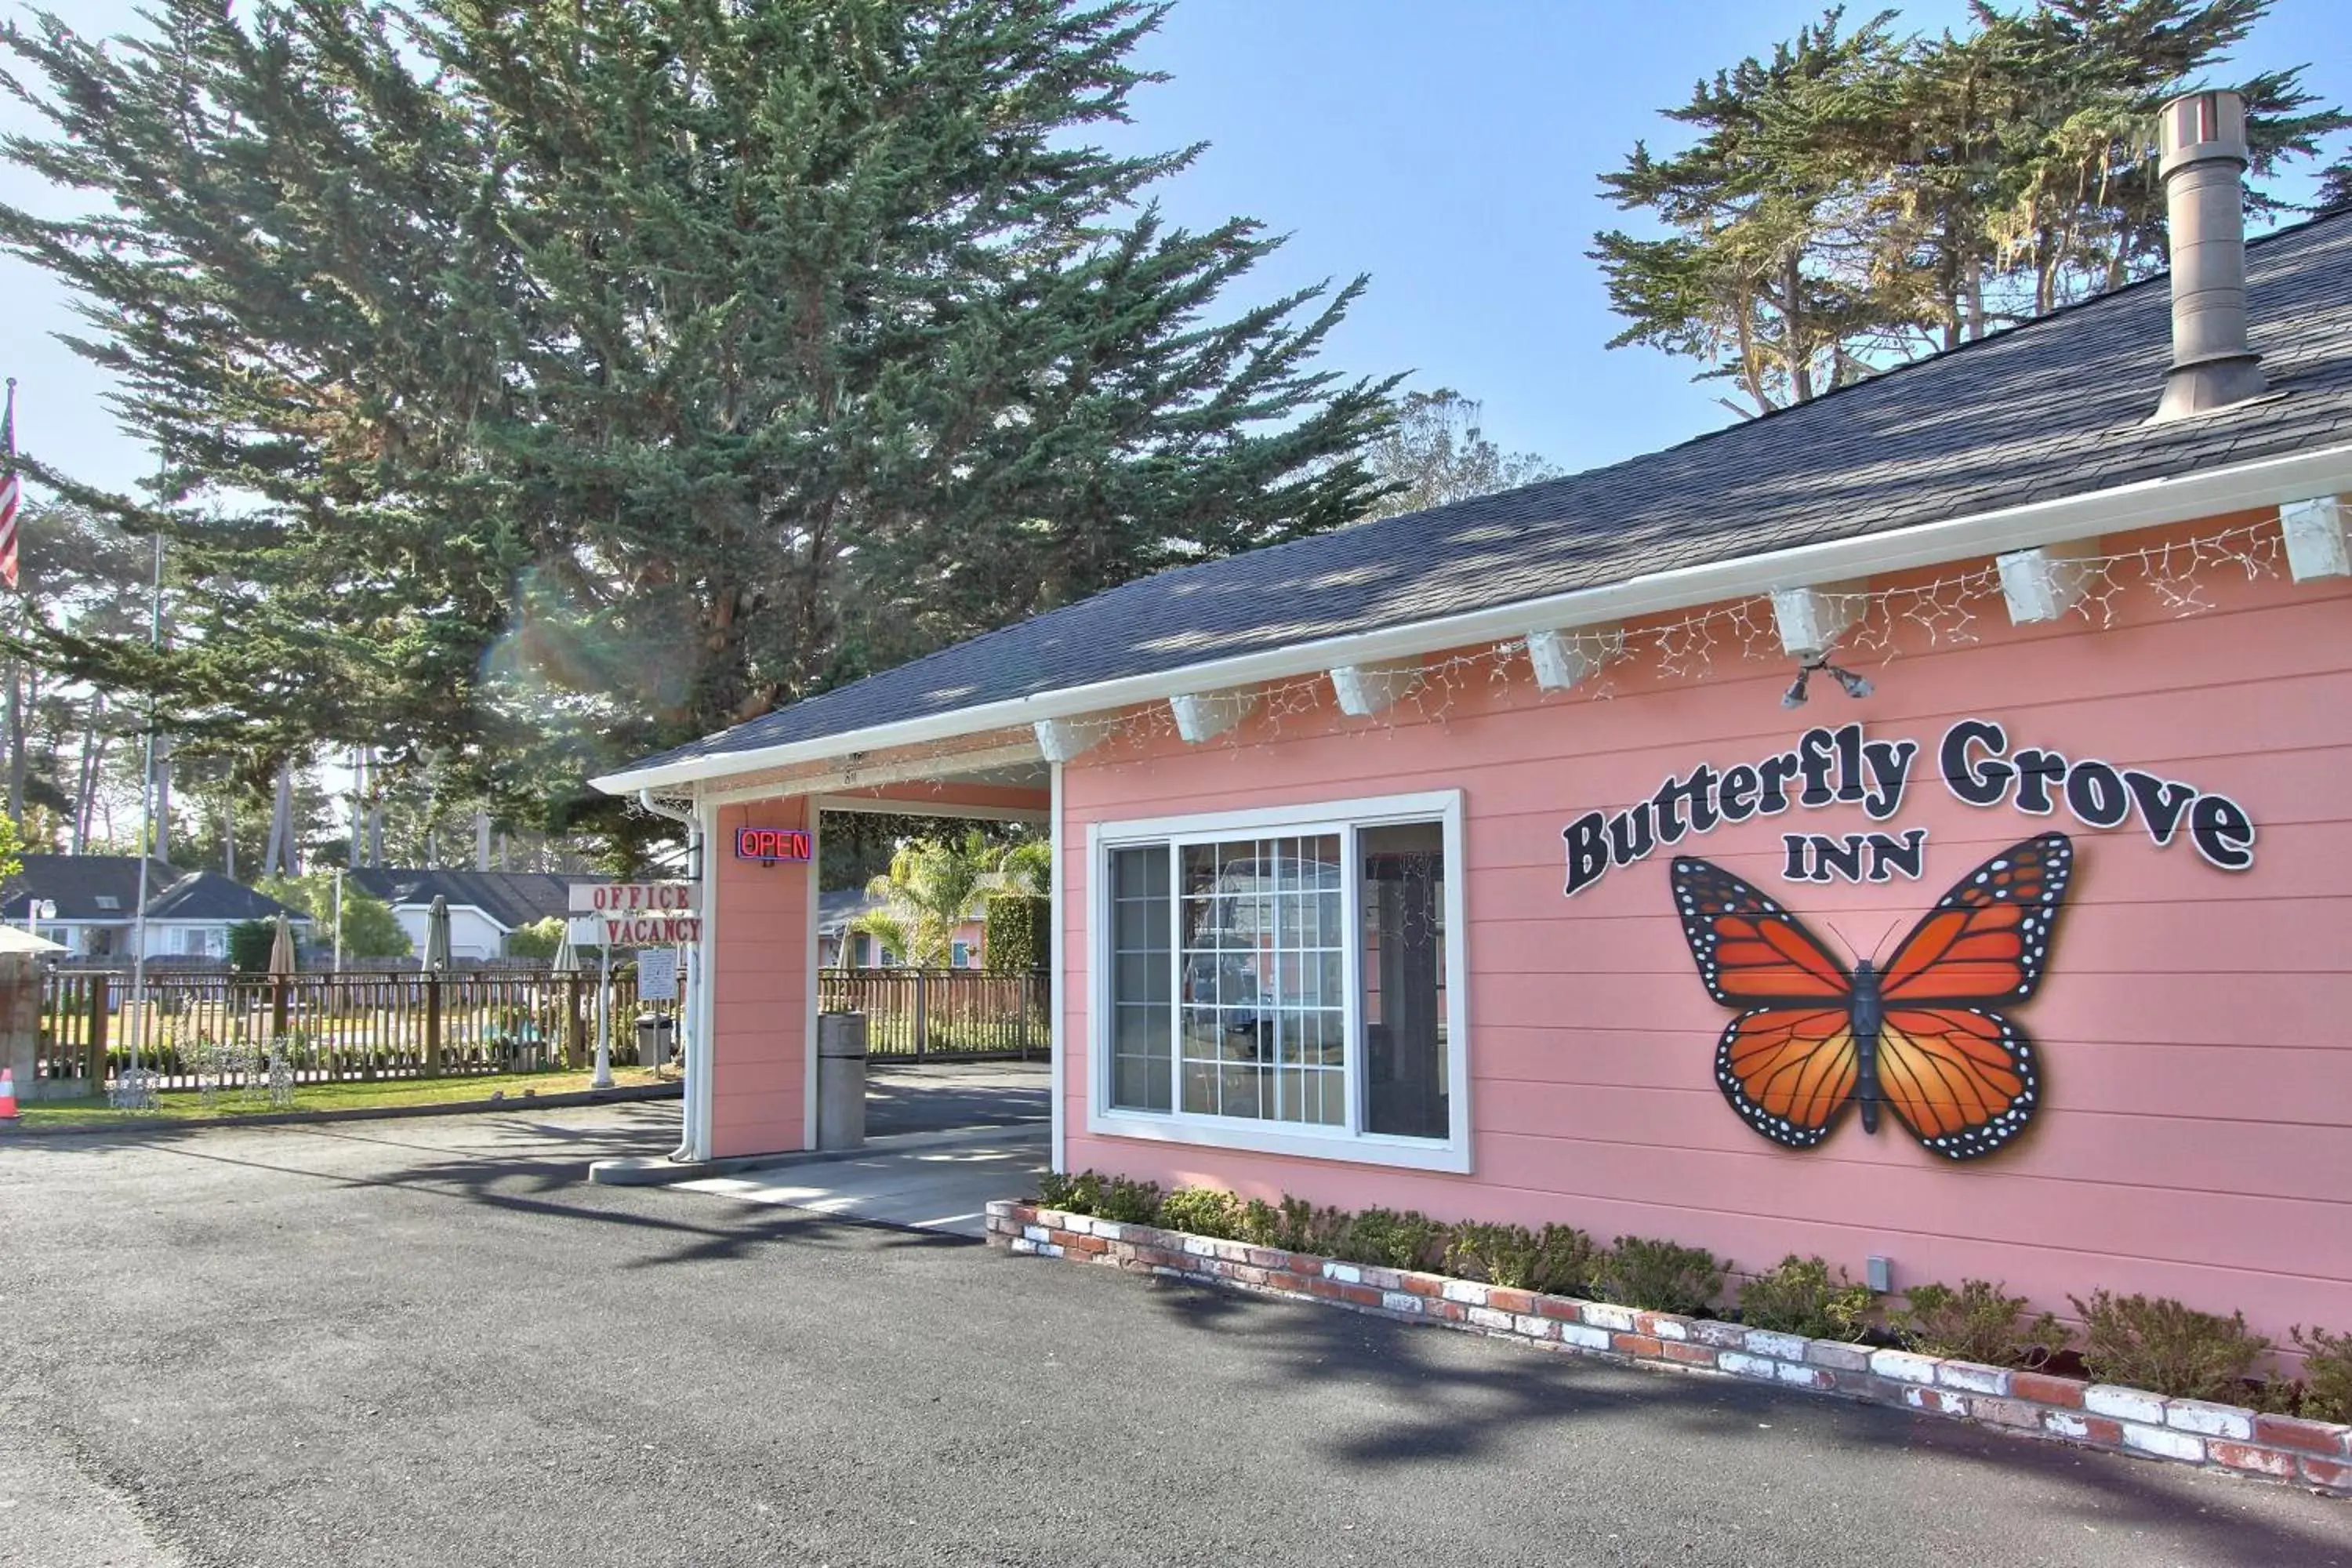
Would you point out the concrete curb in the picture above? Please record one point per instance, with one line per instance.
(162, 1126)
(659, 1171)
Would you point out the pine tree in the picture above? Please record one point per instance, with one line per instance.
(545, 385)
(1756, 205)
(1858, 201)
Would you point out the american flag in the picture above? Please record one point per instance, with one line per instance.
(12, 492)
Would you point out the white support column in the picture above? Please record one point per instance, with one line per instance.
(1809, 619)
(2044, 584)
(1058, 1033)
(1365, 690)
(1566, 660)
(1204, 715)
(699, 1052)
(2313, 531)
(1063, 740)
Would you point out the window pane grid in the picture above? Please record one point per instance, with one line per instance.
(1262, 1012)
(1295, 978)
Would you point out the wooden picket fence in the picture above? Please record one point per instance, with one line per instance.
(220, 1027)
(923, 1015)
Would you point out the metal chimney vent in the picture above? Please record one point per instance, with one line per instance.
(2203, 167)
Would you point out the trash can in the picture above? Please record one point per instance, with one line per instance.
(655, 1032)
(841, 1080)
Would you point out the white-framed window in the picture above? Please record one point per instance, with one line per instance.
(1288, 980)
(960, 955)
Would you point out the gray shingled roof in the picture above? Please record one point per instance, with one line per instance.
(511, 897)
(2051, 409)
(105, 887)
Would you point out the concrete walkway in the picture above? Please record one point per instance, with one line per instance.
(928, 1182)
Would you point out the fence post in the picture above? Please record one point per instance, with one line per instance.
(97, 1022)
(575, 1030)
(922, 1021)
(432, 1025)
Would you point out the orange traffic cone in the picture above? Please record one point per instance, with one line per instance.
(8, 1095)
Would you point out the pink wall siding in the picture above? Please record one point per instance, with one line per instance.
(759, 993)
(2195, 1137)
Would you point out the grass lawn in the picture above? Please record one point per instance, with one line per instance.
(188, 1105)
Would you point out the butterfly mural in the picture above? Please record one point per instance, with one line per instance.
(1925, 1037)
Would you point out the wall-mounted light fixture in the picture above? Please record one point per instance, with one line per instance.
(1851, 684)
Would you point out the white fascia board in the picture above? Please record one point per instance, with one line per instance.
(2150, 504)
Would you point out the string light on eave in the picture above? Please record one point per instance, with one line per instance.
(1881, 623)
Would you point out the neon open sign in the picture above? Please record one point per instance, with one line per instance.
(771, 843)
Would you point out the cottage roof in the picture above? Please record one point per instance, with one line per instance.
(2053, 408)
(510, 899)
(101, 889)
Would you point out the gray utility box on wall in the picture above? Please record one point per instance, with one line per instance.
(840, 1081)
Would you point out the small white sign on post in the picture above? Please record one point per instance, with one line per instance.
(657, 975)
(586, 930)
(615, 900)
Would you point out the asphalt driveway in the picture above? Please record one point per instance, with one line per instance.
(432, 1342)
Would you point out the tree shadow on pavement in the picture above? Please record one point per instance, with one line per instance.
(1457, 1396)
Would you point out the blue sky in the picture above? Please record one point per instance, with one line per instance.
(1449, 149)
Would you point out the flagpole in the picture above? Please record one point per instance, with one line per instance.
(16, 621)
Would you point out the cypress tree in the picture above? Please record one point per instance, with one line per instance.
(543, 384)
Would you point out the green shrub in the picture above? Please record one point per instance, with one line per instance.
(1092, 1193)
(1297, 1225)
(2161, 1344)
(539, 939)
(1203, 1211)
(1498, 1254)
(1130, 1202)
(1391, 1240)
(1659, 1276)
(1017, 933)
(1976, 1322)
(249, 943)
(1805, 1296)
(2326, 1375)
(1080, 1194)
(1558, 1260)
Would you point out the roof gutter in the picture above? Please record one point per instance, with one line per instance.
(2150, 504)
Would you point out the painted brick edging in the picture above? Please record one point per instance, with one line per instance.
(2093, 1416)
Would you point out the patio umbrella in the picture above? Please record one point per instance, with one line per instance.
(567, 957)
(281, 949)
(436, 934)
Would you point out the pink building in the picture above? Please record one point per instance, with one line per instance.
(1482, 861)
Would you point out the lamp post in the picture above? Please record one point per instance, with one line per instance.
(604, 1074)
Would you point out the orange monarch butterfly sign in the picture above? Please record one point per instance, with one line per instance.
(1926, 1038)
